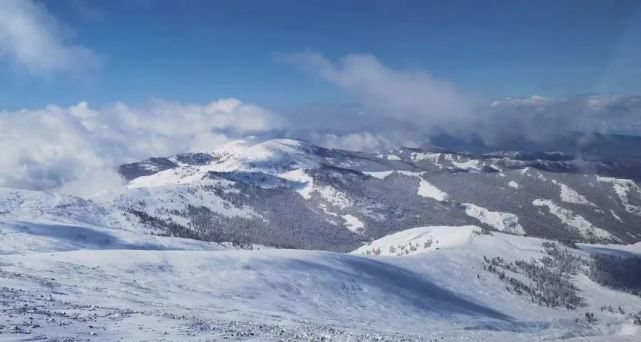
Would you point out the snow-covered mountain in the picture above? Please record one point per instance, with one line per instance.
(290, 193)
(507, 246)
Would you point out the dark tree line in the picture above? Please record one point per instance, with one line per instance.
(618, 272)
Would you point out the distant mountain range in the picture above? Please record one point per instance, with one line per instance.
(289, 193)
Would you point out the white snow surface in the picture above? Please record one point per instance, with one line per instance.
(432, 157)
(70, 271)
(300, 176)
(89, 283)
(389, 156)
(574, 221)
(419, 240)
(271, 157)
(501, 221)
(379, 174)
(470, 164)
(353, 223)
(626, 189)
(50, 236)
(570, 195)
(426, 189)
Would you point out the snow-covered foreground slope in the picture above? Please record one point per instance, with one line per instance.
(274, 294)
(420, 240)
(48, 236)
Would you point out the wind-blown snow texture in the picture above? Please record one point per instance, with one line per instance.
(110, 285)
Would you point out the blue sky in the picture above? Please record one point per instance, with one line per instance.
(197, 51)
(107, 82)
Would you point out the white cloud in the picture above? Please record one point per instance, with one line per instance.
(76, 149)
(31, 37)
(541, 119)
(412, 96)
(535, 101)
(399, 106)
(394, 107)
(362, 141)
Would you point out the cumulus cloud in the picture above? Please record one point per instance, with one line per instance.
(76, 149)
(32, 38)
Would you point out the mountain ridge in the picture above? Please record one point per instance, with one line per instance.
(286, 192)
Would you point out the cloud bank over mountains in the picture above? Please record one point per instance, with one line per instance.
(539, 118)
(77, 149)
(405, 107)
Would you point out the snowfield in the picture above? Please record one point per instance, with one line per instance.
(504, 222)
(419, 240)
(574, 221)
(425, 189)
(20, 237)
(569, 195)
(87, 283)
(628, 192)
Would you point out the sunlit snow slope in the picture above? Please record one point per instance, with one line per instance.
(154, 289)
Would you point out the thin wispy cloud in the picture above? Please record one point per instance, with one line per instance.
(33, 39)
(410, 95)
(393, 106)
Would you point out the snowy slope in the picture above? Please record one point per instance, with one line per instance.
(419, 240)
(274, 295)
(504, 222)
(45, 236)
